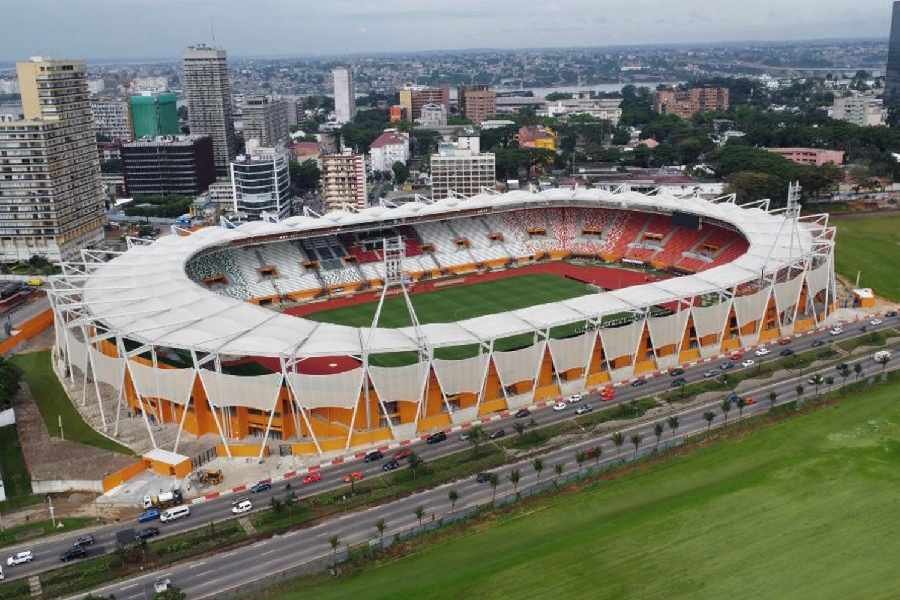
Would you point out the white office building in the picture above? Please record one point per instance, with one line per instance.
(344, 95)
(261, 184)
(112, 119)
(864, 111)
(433, 116)
(390, 147)
(460, 167)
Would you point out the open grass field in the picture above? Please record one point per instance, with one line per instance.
(802, 509)
(871, 245)
(53, 403)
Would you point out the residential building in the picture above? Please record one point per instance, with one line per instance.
(892, 77)
(496, 124)
(810, 156)
(414, 97)
(398, 113)
(537, 136)
(605, 109)
(304, 151)
(168, 166)
(344, 94)
(154, 114)
(433, 116)
(266, 120)
(390, 147)
(687, 103)
(112, 120)
(221, 193)
(207, 88)
(51, 191)
(460, 167)
(149, 84)
(865, 111)
(261, 183)
(477, 102)
(344, 181)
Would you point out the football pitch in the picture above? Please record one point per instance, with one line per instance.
(870, 245)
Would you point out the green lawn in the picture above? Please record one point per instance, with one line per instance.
(53, 403)
(16, 481)
(803, 509)
(870, 245)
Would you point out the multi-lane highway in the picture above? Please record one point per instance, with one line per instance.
(307, 543)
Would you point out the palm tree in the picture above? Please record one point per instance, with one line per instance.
(741, 403)
(673, 424)
(514, 476)
(538, 466)
(415, 462)
(883, 359)
(843, 371)
(493, 480)
(580, 457)
(726, 406)
(380, 525)
(799, 390)
(420, 512)
(452, 496)
(817, 381)
(658, 430)
(519, 427)
(335, 541)
(558, 468)
(710, 416)
(476, 437)
(829, 381)
(597, 454)
(636, 441)
(858, 369)
(773, 396)
(618, 439)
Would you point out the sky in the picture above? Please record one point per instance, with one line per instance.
(125, 29)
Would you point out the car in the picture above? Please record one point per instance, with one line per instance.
(260, 486)
(817, 343)
(786, 352)
(863, 329)
(574, 399)
(161, 585)
(464, 436)
(20, 558)
(73, 553)
(436, 438)
(733, 397)
(875, 322)
(483, 478)
(84, 540)
(676, 372)
(812, 381)
(584, 409)
(785, 341)
(710, 373)
(638, 382)
(241, 507)
(312, 477)
(891, 313)
(353, 476)
(726, 365)
(678, 382)
(559, 406)
(147, 532)
(736, 355)
(497, 434)
(402, 453)
(836, 331)
(748, 363)
(373, 456)
(390, 465)
(762, 351)
(608, 393)
(151, 514)
(522, 413)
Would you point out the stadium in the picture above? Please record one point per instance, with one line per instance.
(323, 334)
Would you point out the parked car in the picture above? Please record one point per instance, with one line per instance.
(402, 453)
(522, 413)
(638, 382)
(390, 465)
(436, 438)
(676, 372)
(560, 406)
(748, 363)
(260, 486)
(497, 434)
(354, 476)
(242, 507)
(891, 313)
(483, 477)
(584, 409)
(312, 477)
(147, 533)
(151, 514)
(20, 558)
(836, 331)
(786, 352)
(762, 351)
(373, 456)
(574, 399)
(84, 540)
(73, 553)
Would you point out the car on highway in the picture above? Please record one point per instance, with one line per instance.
(560, 406)
(836, 331)
(522, 413)
(84, 540)
(402, 453)
(875, 322)
(151, 514)
(436, 438)
(20, 558)
(260, 486)
(786, 352)
(73, 553)
(147, 532)
(175, 513)
(162, 585)
(762, 351)
(483, 478)
(710, 373)
(354, 476)
(891, 313)
(494, 435)
(676, 372)
(608, 393)
(748, 363)
(390, 465)
(638, 382)
(678, 382)
(574, 399)
(584, 409)
(242, 507)
(785, 341)
(373, 456)
(736, 355)
(312, 477)
(817, 343)
(726, 365)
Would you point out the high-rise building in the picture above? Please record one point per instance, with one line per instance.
(154, 114)
(414, 97)
(261, 183)
(207, 88)
(344, 94)
(112, 120)
(477, 102)
(865, 111)
(892, 78)
(51, 191)
(168, 166)
(344, 181)
(461, 167)
(266, 120)
(687, 103)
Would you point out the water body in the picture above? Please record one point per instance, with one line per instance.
(541, 92)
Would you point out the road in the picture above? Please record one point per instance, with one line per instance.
(47, 552)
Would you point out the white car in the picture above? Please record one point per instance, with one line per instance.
(574, 399)
(560, 406)
(763, 351)
(836, 331)
(875, 322)
(748, 363)
(20, 558)
(241, 507)
(161, 585)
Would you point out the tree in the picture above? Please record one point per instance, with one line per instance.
(476, 437)
(494, 480)
(799, 390)
(883, 358)
(858, 370)
(618, 439)
(401, 172)
(335, 541)
(773, 396)
(420, 512)
(514, 476)
(304, 176)
(558, 468)
(817, 381)
(844, 371)
(726, 406)
(519, 427)
(658, 430)
(452, 496)
(580, 457)
(415, 463)
(538, 466)
(829, 381)
(596, 453)
(741, 403)
(380, 525)
(710, 417)
(673, 424)
(636, 442)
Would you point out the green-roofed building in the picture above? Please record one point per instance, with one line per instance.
(154, 114)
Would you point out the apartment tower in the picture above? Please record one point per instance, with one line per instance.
(207, 88)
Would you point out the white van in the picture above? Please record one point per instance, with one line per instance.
(174, 513)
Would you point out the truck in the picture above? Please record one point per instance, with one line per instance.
(163, 500)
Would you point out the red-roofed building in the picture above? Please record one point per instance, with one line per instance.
(303, 151)
(810, 156)
(390, 147)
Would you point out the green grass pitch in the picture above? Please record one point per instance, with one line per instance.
(870, 245)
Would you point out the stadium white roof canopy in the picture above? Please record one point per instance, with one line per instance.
(146, 295)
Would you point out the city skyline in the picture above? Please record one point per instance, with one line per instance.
(99, 29)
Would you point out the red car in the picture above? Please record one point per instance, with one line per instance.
(608, 393)
(312, 477)
(736, 355)
(402, 453)
(354, 476)
(785, 341)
